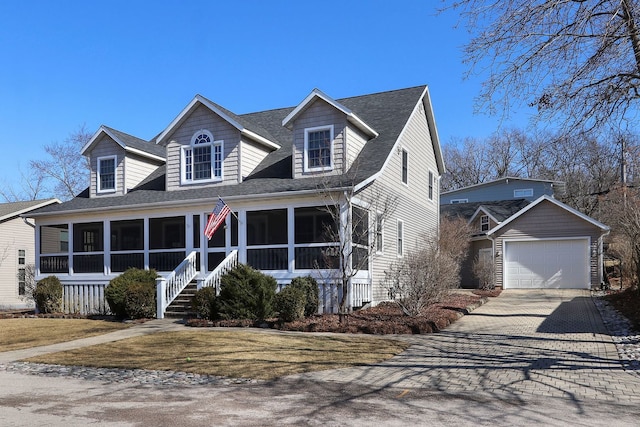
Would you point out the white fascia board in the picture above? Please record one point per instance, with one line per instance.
(94, 138)
(262, 140)
(483, 210)
(145, 154)
(603, 228)
(317, 93)
(433, 131)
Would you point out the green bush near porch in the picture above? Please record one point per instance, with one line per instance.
(246, 293)
(48, 295)
(133, 294)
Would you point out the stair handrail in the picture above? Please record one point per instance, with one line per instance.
(169, 287)
(213, 278)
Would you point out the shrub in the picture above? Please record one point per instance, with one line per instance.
(117, 292)
(203, 303)
(484, 270)
(309, 286)
(290, 303)
(140, 300)
(48, 295)
(246, 293)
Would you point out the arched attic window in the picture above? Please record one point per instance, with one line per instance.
(202, 159)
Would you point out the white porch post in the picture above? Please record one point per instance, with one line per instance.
(291, 239)
(146, 239)
(161, 285)
(242, 236)
(107, 246)
(346, 243)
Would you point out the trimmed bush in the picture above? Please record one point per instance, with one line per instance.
(309, 286)
(140, 300)
(48, 295)
(290, 303)
(204, 303)
(118, 290)
(246, 293)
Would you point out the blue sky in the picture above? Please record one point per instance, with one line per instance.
(133, 65)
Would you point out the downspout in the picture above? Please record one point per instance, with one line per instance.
(28, 223)
(494, 257)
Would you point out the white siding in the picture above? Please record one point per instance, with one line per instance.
(419, 214)
(251, 155)
(103, 148)
(203, 118)
(136, 170)
(14, 235)
(320, 113)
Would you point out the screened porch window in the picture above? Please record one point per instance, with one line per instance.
(166, 242)
(88, 247)
(127, 244)
(315, 236)
(267, 228)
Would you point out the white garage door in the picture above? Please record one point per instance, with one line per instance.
(546, 264)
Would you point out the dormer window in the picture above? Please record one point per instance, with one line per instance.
(106, 174)
(484, 223)
(318, 149)
(202, 160)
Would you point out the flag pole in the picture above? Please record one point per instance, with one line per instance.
(230, 210)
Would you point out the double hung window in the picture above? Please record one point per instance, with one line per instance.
(106, 174)
(318, 149)
(202, 160)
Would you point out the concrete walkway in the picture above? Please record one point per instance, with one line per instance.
(150, 327)
(523, 343)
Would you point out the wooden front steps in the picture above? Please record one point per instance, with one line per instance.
(180, 307)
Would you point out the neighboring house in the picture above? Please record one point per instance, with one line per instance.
(17, 251)
(148, 201)
(507, 188)
(539, 244)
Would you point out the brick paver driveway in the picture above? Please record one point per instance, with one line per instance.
(523, 343)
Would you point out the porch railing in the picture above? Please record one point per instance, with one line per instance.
(213, 279)
(84, 298)
(168, 288)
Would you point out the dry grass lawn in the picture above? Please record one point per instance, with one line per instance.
(233, 353)
(16, 334)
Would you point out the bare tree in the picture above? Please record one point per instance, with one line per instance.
(430, 272)
(467, 164)
(31, 188)
(354, 228)
(66, 170)
(576, 61)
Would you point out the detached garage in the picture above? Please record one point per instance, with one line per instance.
(546, 263)
(548, 244)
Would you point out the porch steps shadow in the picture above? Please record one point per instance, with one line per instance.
(180, 308)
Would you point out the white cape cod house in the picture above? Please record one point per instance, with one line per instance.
(148, 201)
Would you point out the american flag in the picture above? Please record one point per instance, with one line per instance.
(217, 217)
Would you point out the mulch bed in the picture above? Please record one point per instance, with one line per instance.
(385, 318)
(627, 302)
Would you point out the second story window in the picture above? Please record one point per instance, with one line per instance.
(405, 166)
(430, 185)
(318, 149)
(107, 174)
(484, 223)
(202, 160)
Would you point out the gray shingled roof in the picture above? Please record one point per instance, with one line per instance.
(138, 144)
(500, 209)
(386, 112)
(11, 210)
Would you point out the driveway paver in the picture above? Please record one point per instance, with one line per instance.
(524, 343)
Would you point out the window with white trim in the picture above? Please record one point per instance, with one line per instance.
(405, 166)
(455, 201)
(202, 160)
(107, 174)
(523, 192)
(484, 223)
(400, 244)
(431, 184)
(379, 233)
(318, 148)
(22, 280)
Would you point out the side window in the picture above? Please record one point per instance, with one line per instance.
(318, 149)
(106, 174)
(430, 185)
(405, 166)
(22, 281)
(523, 192)
(379, 233)
(400, 245)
